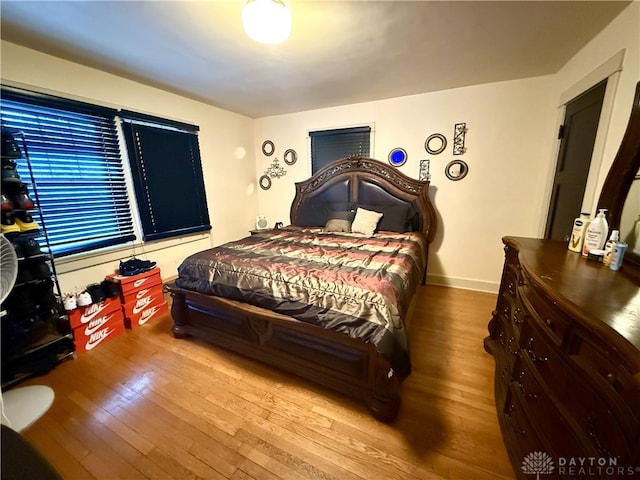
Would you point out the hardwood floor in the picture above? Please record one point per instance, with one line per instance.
(148, 406)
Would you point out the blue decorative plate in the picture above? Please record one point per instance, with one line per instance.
(397, 157)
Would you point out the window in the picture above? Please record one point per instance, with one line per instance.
(330, 145)
(167, 175)
(77, 169)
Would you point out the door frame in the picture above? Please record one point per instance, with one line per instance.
(609, 70)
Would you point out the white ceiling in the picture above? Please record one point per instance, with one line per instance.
(339, 52)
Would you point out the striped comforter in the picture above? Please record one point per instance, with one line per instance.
(359, 286)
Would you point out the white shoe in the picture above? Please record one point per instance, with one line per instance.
(70, 302)
(84, 299)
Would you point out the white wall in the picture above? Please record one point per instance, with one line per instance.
(226, 147)
(507, 144)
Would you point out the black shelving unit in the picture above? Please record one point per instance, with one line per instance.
(36, 334)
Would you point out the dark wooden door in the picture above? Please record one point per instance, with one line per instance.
(578, 135)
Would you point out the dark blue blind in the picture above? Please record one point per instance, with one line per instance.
(77, 169)
(167, 176)
(330, 145)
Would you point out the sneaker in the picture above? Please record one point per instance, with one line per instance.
(7, 206)
(97, 292)
(9, 227)
(70, 302)
(22, 199)
(25, 222)
(9, 172)
(29, 247)
(111, 289)
(84, 299)
(135, 266)
(10, 147)
(39, 269)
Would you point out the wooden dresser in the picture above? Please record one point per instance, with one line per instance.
(565, 336)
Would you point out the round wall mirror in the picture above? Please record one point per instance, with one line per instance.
(265, 182)
(268, 148)
(456, 170)
(290, 156)
(435, 144)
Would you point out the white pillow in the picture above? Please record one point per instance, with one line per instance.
(365, 222)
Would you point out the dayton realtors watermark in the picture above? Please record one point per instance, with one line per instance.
(541, 463)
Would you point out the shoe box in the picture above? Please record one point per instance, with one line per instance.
(142, 297)
(96, 323)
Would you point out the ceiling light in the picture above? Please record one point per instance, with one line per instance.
(266, 21)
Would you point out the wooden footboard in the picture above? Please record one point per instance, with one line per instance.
(329, 358)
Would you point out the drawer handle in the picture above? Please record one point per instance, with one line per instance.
(515, 427)
(549, 324)
(611, 378)
(516, 320)
(511, 288)
(512, 352)
(501, 337)
(506, 313)
(593, 435)
(530, 395)
(534, 356)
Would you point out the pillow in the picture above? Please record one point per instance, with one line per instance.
(342, 215)
(338, 225)
(316, 214)
(395, 218)
(365, 222)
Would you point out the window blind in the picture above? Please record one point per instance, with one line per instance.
(330, 145)
(167, 176)
(77, 169)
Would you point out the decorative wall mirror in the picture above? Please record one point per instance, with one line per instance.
(435, 144)
(398, 157)
(621, 191)
(456, 170)
(290, 156)
(268, 148)
(265, 182)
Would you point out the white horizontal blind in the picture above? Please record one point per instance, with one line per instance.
(77, 168)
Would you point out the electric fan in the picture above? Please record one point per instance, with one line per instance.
(21, 406)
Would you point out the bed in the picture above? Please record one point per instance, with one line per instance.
(330, 306)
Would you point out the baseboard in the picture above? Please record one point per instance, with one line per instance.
(464, 283)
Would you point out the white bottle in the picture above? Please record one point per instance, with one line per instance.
(609, 246)
(580, 225)
(597, 233)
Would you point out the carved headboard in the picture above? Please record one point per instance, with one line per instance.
(364, 181)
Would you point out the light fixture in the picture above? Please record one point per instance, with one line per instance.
(266, 21)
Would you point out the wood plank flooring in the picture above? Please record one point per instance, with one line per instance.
(148, 406)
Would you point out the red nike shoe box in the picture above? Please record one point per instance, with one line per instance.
(133, 283)
(97, 331)
(82, 315)
(136, 302)
(156, 309)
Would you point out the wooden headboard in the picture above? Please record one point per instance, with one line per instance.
(365, 181)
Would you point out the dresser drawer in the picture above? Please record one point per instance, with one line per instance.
(545, 312)
(544, 414)
(594, 417)
(608, 371)
(518, 431)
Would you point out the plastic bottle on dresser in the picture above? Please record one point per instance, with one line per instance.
(609, 246)
(597, 233)
(580, 225)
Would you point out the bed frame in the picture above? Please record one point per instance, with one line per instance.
(329, 358)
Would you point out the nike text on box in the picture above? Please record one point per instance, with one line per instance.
(98, 331)
(84, 315)
(135, 282)
(136, 303)
(154, 310)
